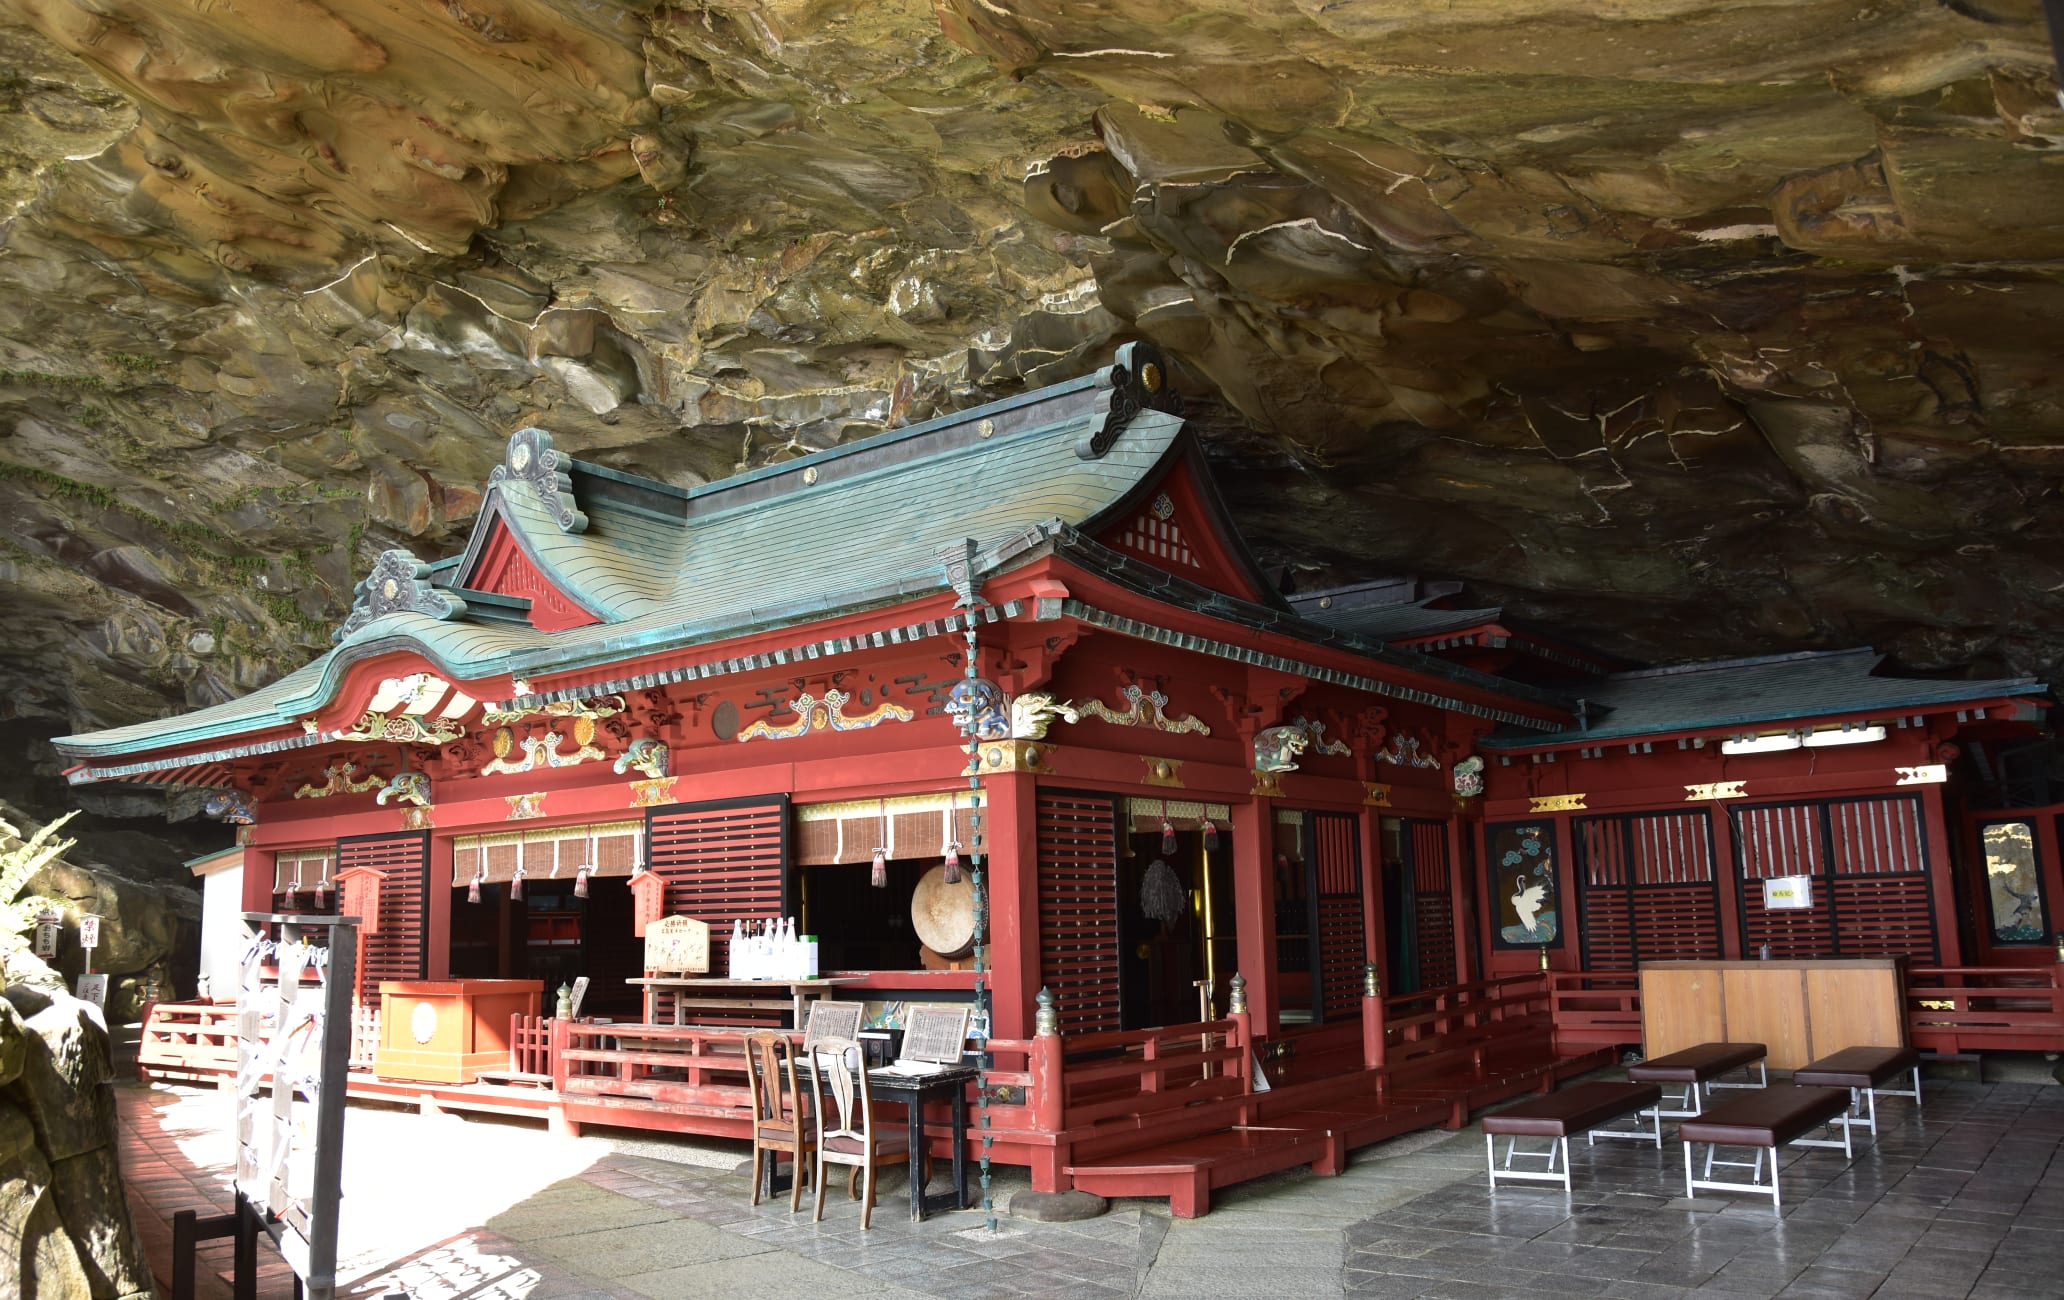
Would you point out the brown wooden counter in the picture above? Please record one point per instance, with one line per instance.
(1801, 1009)
(447, 1031)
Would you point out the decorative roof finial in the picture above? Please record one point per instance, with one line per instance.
(1139, 381)
(398, 584)
(531, 459)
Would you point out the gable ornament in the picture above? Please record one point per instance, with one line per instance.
(398, 584)
(531, 459)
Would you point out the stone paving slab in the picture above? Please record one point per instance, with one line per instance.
(1967, 1200)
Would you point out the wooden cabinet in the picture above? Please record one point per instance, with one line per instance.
(447, 1031)
(1801, 1010)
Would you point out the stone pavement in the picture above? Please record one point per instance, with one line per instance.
(1968, 1201)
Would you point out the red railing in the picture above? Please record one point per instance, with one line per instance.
(530, 1045)
(1966, 1008)
(188, 1039)
(1595, 1008)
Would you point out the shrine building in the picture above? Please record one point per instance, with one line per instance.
(1434, 848)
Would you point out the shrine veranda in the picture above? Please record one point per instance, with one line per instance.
(1433, 847)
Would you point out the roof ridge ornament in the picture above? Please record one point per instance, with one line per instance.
(1139, 382)
(532, 459)
(398, 584)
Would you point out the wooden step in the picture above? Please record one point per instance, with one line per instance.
(1186, 1170)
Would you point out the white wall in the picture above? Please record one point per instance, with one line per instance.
(222, 930)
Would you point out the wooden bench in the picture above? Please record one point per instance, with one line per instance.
(1765, 1120)
(1697, 1068)
(1559, 1116)
(1865, 1070)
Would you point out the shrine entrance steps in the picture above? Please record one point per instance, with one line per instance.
(1216, 1144)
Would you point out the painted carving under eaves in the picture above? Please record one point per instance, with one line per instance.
(339, 778)
(542, 751)
(645, 755)
(407, 788)
(996, 716)
(602, 706)
(398, 584)
(532, 459)
(232, 806)
(1143, 708)
(1276, 748)
(1403, 751)
(813, 714)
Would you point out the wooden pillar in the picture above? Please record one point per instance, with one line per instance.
(1375, 919)
(437, 927)
(258, 874)
(1467, 918)
(1254, 899)
(1949, 942)
(1728, 877)
(1010, 834)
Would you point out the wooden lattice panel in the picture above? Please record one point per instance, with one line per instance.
(722, 862)
(398, 951)
(1078, 907)
(1646, 889)
(1343, 944)
(1869, 866)
(1433, 906)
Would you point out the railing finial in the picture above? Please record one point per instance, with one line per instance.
(1238, 1005)
(1371, 988)
(1046, 1022)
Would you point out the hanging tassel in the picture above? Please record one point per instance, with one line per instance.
(580, 882)
(1210, 836)
(322, 894)
(878, 875)
(953, 862)
(516, 884)
(473, 887)
(1168, 844)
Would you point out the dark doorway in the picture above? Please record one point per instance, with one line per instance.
(1162, 957)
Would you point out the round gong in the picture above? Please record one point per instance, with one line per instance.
(944, 915)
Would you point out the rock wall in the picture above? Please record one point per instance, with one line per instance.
(65, 1230)
(1694, 326)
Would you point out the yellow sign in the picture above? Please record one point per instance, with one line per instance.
(1378, 795)
(1541, 803)
(1715, 790)
(1930, 774)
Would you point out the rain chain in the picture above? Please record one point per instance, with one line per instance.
(985, 1059)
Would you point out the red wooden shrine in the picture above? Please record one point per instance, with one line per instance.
(1400, 854)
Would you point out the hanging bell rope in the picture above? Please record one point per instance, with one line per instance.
(1161, 895)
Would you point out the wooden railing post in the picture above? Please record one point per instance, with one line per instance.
(1049, 1088)
(1374, 1031)
(561, 1037)
(1243, 1033)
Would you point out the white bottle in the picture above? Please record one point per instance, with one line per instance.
(735, 952)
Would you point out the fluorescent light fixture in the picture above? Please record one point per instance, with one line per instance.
(1847, 736)
(1760, 744)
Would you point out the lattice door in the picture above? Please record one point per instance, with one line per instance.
(399, 950)
(1434, 904)
(1869, 865)
(1647, 888)
(1078, 907)
(1343, 947)
(722, 861)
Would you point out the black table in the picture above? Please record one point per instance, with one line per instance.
(914, 1090)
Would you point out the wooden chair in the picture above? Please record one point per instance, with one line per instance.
(782, 1115)
(853, 1141)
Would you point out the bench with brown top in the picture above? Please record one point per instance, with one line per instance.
(1765, 1120)
(1586, 1108)
(1865, 1070)
(1697, 1068)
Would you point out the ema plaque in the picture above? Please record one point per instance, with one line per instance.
(677, 943)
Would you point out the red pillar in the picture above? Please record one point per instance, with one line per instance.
(1728, 877)
(1941, 876)
(1254, 898)
(1462, 891)
(437, 929)
(1375, 921)
(1010, 835)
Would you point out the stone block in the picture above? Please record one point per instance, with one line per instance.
(61, 1082)
(1057, 1207)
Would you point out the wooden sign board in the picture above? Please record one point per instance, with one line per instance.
(677, 943)
(358, 894)
(648, 901)
(580, 995)
(935, 1033)
(832, 1019)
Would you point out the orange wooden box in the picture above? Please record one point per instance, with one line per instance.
(447, 1031)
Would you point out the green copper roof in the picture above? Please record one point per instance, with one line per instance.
(1752, 693)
